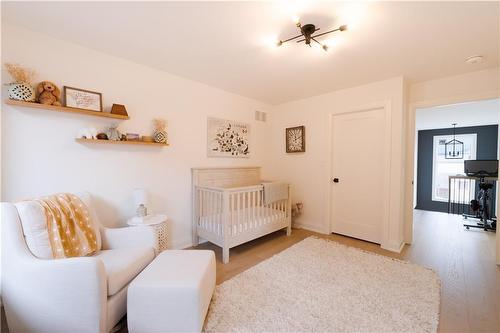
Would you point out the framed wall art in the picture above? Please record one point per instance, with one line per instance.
(227, 138)
(295, 139)
(83, 99)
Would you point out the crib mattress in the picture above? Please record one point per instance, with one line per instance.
(247, 218)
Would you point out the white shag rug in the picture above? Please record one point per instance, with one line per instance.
(322, 286)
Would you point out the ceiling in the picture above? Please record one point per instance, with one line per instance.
(230, 45)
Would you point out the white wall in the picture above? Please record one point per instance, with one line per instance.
(309, 172)
(41, 157)
(455, 89)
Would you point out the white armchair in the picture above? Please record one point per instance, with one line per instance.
(84, 294)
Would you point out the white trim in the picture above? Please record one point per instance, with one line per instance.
(386, 106)
(310, 228)
(410, 148)
(394, 247)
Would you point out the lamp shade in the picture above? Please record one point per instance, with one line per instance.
(140, 197)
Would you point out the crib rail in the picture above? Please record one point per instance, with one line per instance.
(232, 216)
(233, 211)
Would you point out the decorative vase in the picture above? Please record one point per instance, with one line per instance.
(21, 92)
(160, 136)
(113, 133)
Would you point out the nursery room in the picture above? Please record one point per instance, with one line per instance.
(257, 166)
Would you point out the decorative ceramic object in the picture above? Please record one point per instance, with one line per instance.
(20, 89)
(21, 92)
(102, 136)
(133, 137)
(160, 134)
(113, 133)
(119, 109)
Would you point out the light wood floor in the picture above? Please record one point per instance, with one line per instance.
(464, 260)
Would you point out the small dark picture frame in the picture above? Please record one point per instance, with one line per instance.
(295, 139)
(83, 99)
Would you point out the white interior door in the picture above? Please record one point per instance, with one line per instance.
(360, 173)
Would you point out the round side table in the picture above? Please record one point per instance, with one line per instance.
(158, 223)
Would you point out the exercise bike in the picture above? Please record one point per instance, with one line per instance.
(481, 207)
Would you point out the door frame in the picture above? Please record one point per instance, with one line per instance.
(386, 106)
(410, 152)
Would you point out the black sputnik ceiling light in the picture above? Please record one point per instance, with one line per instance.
(454, 149)
(307, 32)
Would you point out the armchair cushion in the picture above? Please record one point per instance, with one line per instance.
(122, 265)
(34, 228)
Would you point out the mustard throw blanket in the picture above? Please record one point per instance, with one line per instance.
(69, 226)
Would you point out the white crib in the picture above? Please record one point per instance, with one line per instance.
(229, 210)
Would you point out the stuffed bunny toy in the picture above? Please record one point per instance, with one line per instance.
(48, 93)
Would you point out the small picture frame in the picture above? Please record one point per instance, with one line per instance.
(83, 99)
(295, 139)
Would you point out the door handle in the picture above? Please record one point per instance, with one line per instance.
(335, 180)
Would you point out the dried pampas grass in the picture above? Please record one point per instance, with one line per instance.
(20, 74)
(159, 124)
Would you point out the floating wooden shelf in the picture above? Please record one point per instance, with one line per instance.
(64, 109)
(112, 142)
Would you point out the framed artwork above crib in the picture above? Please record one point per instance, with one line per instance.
(227, 138)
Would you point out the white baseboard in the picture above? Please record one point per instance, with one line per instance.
(393, 247)
(310, 228)
(184, 244)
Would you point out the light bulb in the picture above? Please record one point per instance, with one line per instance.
(295, 19)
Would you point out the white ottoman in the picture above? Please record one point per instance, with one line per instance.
(173, 293)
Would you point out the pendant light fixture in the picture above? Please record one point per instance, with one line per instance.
(454, 149)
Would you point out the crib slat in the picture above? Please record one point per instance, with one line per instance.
(214, 204)
(247, 211)
(230, 216)
(202, 208)
(209, 213)
(211, 209)
(253, 209)
(223, 211)
(237, 220)
(259, 212)
(214, 211)
(199, 215)
(219, 213)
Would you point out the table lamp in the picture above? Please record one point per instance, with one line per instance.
(141, 200)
